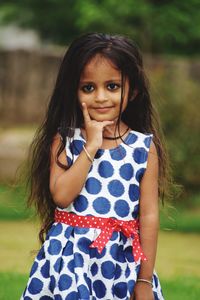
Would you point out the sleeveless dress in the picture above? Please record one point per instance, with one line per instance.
(66, 268)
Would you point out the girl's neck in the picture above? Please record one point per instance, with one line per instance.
(114, 133)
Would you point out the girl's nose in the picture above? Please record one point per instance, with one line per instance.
(101, 96)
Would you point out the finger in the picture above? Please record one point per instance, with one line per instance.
(86, 115)
(106, 123)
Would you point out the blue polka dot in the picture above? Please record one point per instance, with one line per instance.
(79, 230)
(118, 154)
(138, 269)
(117, 253)
(135, 211)
(108, 269)
(118, 271)
(128, 252)
(41, 254)
(147, 141)
(123, 238)
(155, 280)
(99, 153)
(83, 292)
(68, 250)
(140, 155)
(52, 284)
(88, 281)
(72, 296)
(114, 236)
(121, 208)
(127, 272)
(94, 269)
(69, 161)
(78, 260)
(131, 284)
(27, 298)
(35, 286)
(76, 147)
(139, 174)
(83, 244)
(55, 247)
(57, 230)
(155, 296)
(105, 169)
(68, 231)
(64, 282)
(70, 265)
(58, 297)
(116, 188)
(81, 203)
(45, 269)
(134, 192)
(101, 205)
(93, 185)
(132, 138)
(59, 265)
(34, 268)
(120, 290)
(46, 298)
(99, 288)
(126, 171)
(94, 253)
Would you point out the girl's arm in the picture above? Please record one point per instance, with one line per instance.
(65, 185)
(149, 223)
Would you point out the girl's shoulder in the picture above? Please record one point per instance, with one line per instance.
(145, 138)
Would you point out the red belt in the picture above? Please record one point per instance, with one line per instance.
(107, 226)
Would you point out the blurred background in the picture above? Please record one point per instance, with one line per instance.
(34, 35)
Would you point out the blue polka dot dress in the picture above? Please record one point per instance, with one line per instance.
(66, 268)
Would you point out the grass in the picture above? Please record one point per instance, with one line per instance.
(12, 285)
(178, 261)
(13, 204)
(181, 288)
(178, 257)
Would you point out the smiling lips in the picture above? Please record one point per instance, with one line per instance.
(103, 109)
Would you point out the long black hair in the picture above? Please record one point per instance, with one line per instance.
(64, 113)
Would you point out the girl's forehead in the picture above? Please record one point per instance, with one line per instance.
(100, 65)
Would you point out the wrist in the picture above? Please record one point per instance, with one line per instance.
(92, 149)
(145, 281)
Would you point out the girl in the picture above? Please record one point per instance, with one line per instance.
(98, 168)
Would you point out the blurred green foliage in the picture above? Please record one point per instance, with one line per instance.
(158, 26)
(175, 92)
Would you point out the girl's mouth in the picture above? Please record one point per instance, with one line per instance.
(103, 109)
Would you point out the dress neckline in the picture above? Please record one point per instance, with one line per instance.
(124, 142)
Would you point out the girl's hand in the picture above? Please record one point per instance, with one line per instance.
(142, 292)
(94, 129)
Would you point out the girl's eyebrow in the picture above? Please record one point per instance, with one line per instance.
(107, 81)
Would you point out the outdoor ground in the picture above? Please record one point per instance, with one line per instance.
(178, 258)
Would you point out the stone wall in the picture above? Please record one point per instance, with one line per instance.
(26, 79)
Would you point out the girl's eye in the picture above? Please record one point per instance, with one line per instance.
(113, 86)
(87, 88)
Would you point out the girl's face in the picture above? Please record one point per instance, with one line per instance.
(100, 88)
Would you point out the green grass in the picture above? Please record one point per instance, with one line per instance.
(180, 219)
(13, 203)
(12, 285)
(181, 288)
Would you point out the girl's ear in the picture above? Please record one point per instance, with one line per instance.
(135, 93)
